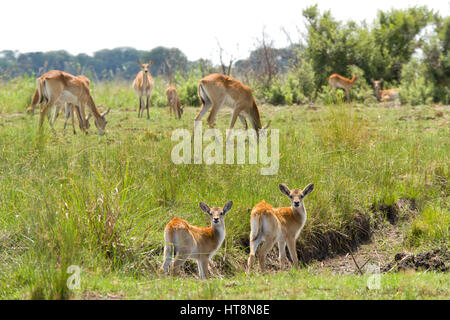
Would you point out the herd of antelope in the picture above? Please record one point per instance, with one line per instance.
(182, 240)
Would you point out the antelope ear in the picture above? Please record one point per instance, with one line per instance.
(150, 62)
(284, 189)
(308, 189)
(139, 62)
(381, 80)
(371, 80)
(227, 206)
(205, 207)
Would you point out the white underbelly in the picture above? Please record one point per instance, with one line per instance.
(67, 96)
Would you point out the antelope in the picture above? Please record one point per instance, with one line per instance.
(384, 95)
(284, 225)
(143, 86)
(174, 101)
(338, 81)
(215, 90)
(69, 112)
(184, 241)
(69, 109)
(61, 86)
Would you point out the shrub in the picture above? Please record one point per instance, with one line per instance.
(414, 88)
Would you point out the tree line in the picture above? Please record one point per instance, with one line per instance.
(408, 48)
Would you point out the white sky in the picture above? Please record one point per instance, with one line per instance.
(194, 26)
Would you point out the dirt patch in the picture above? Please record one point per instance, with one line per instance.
(98, 296)
(320, 242)
(320, 245)
(402, 209)
(436, 260)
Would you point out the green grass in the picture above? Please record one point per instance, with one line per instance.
(102, 202)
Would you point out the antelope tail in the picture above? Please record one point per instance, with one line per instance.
(256, 224)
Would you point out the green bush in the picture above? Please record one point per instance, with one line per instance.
(415, 89)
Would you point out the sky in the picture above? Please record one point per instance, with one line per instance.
(194, 26)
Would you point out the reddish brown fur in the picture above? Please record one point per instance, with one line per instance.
(143, 86)
(384, 95)
(174, 101)
(216, 90)
(184, 241)
(338, 81)
(282, 224)
(55, 83)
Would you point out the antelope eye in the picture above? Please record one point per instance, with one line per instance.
(291, 196)
(221, 213)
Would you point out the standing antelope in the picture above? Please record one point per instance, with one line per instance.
(338, 81)
(184, 241)
(61, 86)
(384, 95)
(174, 101)
(284, 225)
(216, 89)
(143, 86)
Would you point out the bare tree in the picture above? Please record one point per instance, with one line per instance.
(266, 56)
(226, 69)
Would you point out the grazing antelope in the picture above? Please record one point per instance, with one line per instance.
(143, 86)
(69, 109)
(384, 95)
(69, 112)
(338, 81)
(184, 241)
(174, 101)
(216, 90)
(61, 86)
(284, 225)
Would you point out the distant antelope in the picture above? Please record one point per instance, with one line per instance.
(338, 81)
(184, 241)
(284, 225)
(59, 86)
(174, 101)
(384, 95)
(143, 86)
(216, 90)
(69, 109)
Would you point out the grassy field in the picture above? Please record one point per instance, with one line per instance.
(102, 202)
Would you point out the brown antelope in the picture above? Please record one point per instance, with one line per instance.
(216, 90)
(69, 112)
(184, 241)
(284, 225)
(61, 86)
(338, 81)
(174, 101)
(143, 86)
(384, 95)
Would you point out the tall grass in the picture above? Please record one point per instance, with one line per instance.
(101, 202)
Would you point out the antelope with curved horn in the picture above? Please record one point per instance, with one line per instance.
(338, 81)
(143, 86)
(184, 241)
(282, 225)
